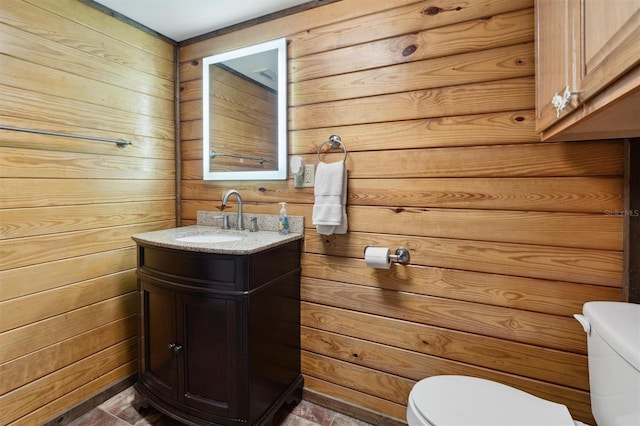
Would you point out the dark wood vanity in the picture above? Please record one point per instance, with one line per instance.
(219, 334)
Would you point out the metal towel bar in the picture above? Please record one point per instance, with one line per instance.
(122, 143)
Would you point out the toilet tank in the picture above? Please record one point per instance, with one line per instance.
(614, 361)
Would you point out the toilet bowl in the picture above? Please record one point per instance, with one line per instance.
(463, 400)
(613, 338)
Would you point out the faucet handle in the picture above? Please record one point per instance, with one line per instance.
(225, 220)
(253, 224)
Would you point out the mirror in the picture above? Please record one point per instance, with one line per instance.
(244, 129)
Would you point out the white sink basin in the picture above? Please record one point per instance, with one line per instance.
(210, 238)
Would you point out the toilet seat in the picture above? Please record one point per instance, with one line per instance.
(462, 400)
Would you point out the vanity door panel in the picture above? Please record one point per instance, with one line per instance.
(158, 363)
(210, 355)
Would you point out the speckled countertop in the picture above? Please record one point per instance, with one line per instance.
(266, 237)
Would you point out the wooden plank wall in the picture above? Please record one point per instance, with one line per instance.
(69, 207)
(508, 236)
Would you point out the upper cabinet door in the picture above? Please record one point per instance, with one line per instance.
(609, 39)
(587, 68)
(556, 24)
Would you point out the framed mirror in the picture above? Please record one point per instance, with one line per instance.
(244, 129)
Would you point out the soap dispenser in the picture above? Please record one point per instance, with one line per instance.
(283, 220)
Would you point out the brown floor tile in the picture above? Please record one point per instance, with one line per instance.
(119, 411)
(315, 413)
(342, 420)
(98, 417)
(293, 420)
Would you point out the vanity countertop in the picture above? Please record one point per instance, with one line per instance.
(209, 223)
(252, 242)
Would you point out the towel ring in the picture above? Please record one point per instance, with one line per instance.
(334, 143)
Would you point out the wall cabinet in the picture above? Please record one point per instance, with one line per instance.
(587, 68)
(219, 336)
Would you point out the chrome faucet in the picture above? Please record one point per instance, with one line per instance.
(239, 222)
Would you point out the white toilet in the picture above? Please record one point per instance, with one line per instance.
(613, 330)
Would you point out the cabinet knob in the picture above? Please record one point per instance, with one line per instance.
(175, 347)
(560, 102)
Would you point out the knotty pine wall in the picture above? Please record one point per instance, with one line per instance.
(508, 236)
(68, 206)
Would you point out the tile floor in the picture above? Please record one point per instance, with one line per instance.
(118, 411)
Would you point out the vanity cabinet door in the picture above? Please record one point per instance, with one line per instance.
(209, 334)
(158, 363)
(190, 349)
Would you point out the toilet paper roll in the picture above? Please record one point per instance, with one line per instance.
(377, 257)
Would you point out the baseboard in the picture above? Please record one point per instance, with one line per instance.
(351, 410)
(91, 403)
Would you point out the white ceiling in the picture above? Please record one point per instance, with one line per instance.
(183, 19)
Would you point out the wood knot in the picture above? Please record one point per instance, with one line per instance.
(399, 209)
(433, 10)
(409, 50)
(195, 63)
(424, 342)
(519, 118)
(519, 62)
(262, 189)
(355, 355)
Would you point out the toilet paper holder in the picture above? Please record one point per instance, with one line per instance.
(401, 255)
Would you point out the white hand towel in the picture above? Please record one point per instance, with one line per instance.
(329, 210)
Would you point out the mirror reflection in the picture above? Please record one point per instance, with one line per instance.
(244, 113)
